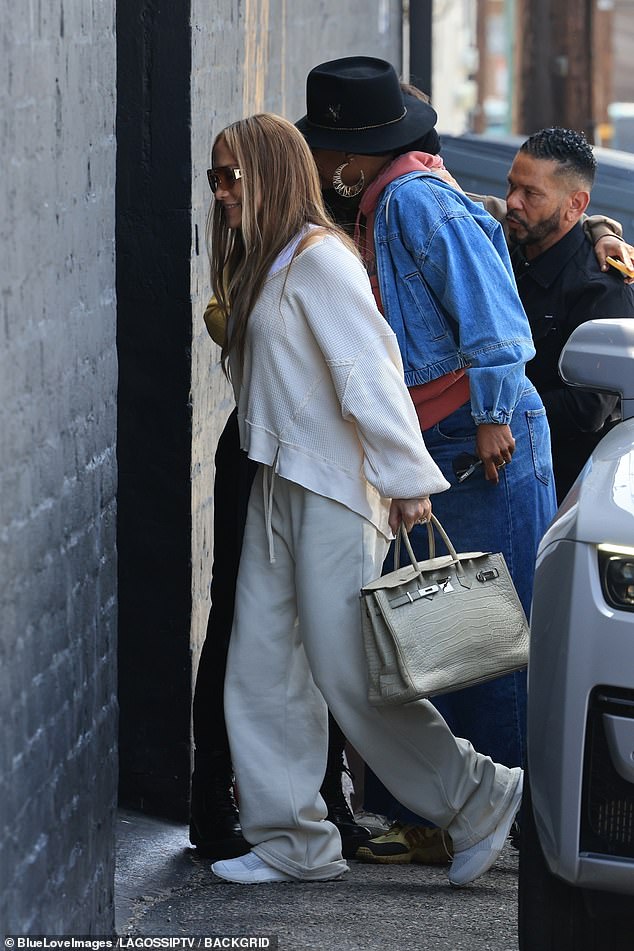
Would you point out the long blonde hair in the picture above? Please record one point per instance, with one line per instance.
(281, 193)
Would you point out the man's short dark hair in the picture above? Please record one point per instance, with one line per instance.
(568, 148)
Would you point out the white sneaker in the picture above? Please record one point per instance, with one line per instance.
(470, 863)
(249, 869)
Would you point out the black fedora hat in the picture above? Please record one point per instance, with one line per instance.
(356, 104)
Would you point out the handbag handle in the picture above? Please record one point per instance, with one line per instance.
(431, 524)
(431, 542)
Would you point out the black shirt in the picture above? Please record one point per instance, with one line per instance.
(560, 289)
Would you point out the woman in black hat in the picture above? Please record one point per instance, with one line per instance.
(442, 277)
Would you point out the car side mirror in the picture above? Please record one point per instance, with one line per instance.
(599, 355)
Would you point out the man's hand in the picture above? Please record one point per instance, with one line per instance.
(410, 512)
(495, 446)
(610, 246)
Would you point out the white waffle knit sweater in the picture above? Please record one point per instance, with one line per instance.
(321, 396)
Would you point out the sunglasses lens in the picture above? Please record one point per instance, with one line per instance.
(222, 177)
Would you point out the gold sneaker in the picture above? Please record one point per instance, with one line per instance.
(402, 844)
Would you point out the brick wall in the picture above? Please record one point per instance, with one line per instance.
(57, 467)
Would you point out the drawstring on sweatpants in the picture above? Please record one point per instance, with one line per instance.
(267, 489)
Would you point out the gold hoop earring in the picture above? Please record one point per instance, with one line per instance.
(346, 191)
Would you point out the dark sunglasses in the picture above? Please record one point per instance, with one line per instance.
(223, 176)
(464, 465)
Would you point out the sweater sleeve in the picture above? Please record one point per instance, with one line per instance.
(365, 367)
(373, 394)
(598, 226)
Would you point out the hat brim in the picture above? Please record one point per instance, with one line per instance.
(419, 119)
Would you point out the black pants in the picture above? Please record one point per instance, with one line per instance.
(234, 476)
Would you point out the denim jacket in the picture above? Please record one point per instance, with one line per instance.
(449, 294)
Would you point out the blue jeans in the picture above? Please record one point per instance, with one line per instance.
(510, 517)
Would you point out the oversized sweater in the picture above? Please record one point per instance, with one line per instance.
(321, 396)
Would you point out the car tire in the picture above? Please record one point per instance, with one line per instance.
(556, 916)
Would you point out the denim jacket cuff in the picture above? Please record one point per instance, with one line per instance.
(499, 418)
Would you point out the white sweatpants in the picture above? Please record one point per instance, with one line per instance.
(296, 640)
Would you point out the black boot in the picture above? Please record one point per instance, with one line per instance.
(214, 824)
(339, 813)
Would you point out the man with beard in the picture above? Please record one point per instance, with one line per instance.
(561, 285)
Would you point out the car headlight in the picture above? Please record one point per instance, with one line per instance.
(616, 567)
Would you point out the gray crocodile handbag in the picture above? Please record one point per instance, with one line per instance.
(442, 624)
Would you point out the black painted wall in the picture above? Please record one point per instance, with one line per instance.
(153, 234)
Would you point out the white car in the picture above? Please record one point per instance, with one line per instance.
(576, 890)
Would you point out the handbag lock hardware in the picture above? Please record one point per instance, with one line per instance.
(488, 575)
(410, 596)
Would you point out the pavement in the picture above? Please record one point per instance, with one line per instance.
(163, 889)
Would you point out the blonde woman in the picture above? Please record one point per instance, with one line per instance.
(324, 411)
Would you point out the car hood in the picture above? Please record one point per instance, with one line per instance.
(600, 506)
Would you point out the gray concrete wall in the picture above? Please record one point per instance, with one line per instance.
(57, 467)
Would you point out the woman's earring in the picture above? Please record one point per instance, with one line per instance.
(346, 191)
